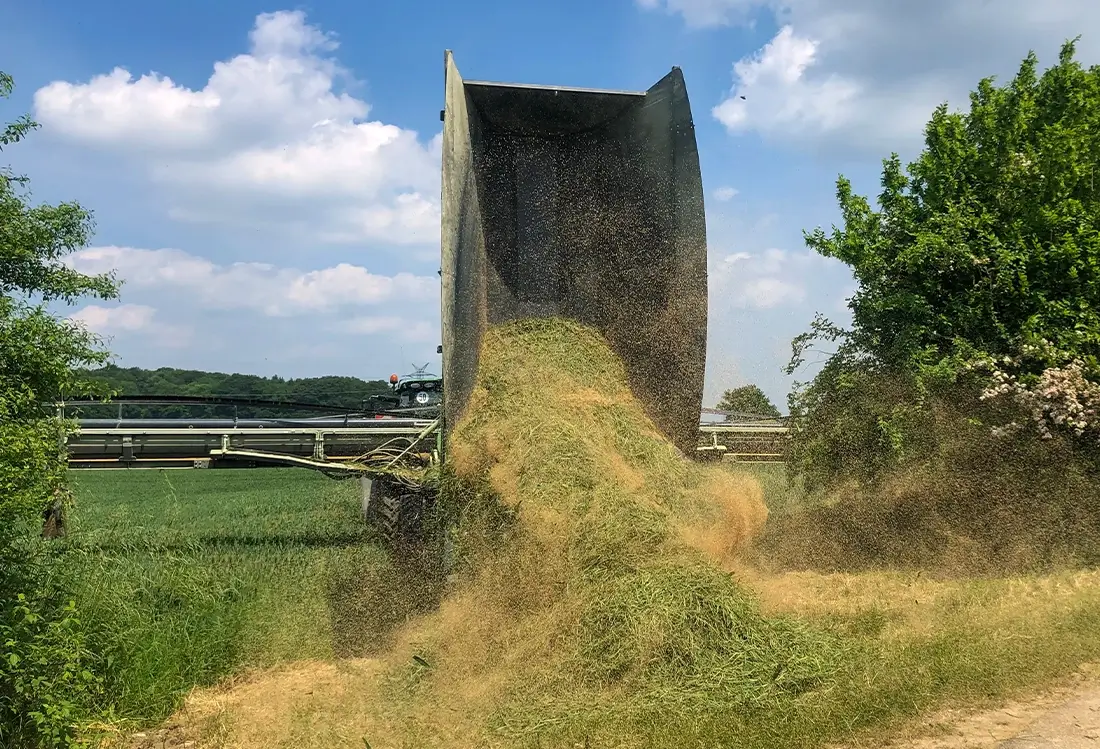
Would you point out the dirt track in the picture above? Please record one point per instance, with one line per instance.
(1073, 724)
(1066, 718)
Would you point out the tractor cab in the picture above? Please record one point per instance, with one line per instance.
(419, 390)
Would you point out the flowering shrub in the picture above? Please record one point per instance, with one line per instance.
(1061, 396)
(990, 238)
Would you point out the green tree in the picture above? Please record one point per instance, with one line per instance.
(44, 681)
(340, 392)
(983, 253)
(748, 399)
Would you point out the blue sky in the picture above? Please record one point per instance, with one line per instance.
(265, 177)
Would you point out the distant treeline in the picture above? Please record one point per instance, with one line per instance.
(346, 392)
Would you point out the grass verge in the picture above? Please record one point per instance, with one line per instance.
(186, 577)
(606, 617)
(909, 645)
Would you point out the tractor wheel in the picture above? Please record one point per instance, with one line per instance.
(397, 512)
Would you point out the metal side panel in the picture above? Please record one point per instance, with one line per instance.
(584, 204)
(462, 251)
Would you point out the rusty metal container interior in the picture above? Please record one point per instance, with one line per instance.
(579, 203)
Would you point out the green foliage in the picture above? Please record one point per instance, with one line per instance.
(987, 244)
(33, 239)
(348, 392)
(38, 352)
(45, 685)
(748, 399)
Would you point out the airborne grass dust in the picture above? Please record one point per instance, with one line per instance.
(981, 506)
(595, 605)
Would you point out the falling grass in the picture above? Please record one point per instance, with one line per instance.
(602, 611)
(909, 645)
(782, 492)
(606, 614)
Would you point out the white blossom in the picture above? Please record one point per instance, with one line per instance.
(1062, 398)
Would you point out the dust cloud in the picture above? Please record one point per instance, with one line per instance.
(983, 506)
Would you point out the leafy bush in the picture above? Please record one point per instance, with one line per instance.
(983, 253)
(46, 688)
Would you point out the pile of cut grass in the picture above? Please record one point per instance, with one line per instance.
(599, 609)
(603, 601)
(602, 612)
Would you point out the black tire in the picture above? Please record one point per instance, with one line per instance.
(398, 512)
(405, 518)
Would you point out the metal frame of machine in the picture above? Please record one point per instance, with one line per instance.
(331, 444)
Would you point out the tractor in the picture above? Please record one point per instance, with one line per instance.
(416, 394)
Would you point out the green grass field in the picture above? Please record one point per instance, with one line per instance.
(189, 576)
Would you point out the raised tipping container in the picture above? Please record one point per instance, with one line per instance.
(580, 203)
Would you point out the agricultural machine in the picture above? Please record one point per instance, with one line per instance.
(419, 392)
(577, 203)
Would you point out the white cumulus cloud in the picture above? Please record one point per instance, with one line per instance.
(785, 90)
(261, 287)
(867, 73)
(107, 319)
(702, 13)
(764, 293)
(764, 280)
(420, 331)
(268, 141)
(725, 193)
(128, 319)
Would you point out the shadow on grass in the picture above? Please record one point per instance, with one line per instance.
(369, 602)
(221, 541)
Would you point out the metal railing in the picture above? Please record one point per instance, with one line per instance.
(192, 443)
